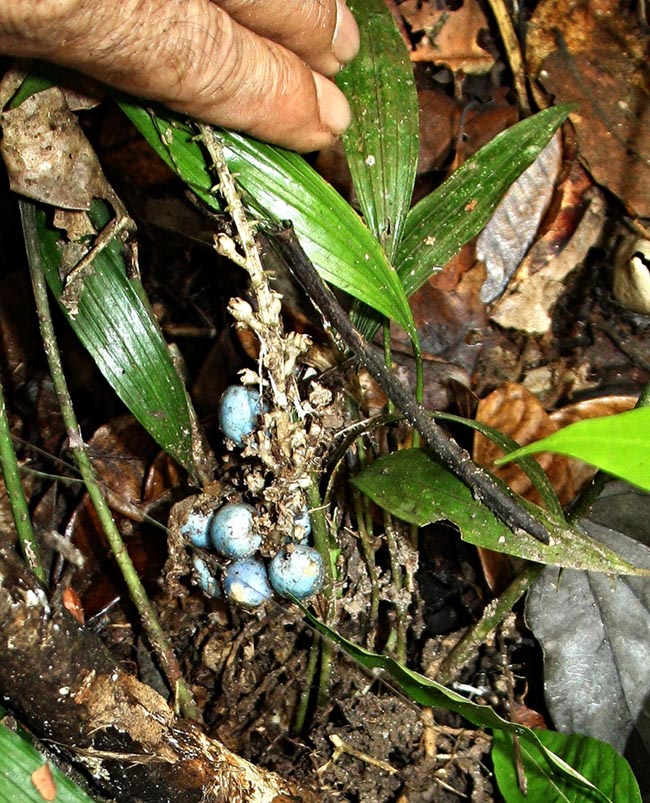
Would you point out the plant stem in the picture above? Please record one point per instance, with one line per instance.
(321, 536)
(152, 627)
(28, 544)
(365, 536)
(398, 585)
(310, 674)
(484, 488)
(466, 648)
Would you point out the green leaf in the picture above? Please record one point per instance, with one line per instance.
(115, 323)
(414, 486)
(381, 144)
(599, 762)
(18, 760)
(428, 693)
(440, 224)
(278, 185)
(617, 444)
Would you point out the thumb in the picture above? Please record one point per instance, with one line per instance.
(190, 55)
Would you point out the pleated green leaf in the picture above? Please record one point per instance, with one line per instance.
(414, 486)
(428, 693)
(599, 762)
(279, 185)
(381, 144)
(439, 225)
(18, 760)
(115, 323)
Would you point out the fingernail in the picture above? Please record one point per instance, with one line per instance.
(333, 107)
(345, 42)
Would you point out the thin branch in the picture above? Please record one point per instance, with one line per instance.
(457, 460)
(146, 611)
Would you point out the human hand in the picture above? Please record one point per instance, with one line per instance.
(256, 66)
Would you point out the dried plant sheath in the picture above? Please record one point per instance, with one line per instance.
(66, 687)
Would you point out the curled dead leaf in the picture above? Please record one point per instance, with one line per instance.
(47, 155)
(515, 411)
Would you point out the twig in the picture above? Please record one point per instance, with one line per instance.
(513, 51)
(145, 609)
(457, 460)
(19, 510)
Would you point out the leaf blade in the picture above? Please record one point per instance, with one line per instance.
(278, 185)
(18, 760)
(439, 225)
(414, 486)
(381, 144)
(616, 444)
(595, 760)
(117, 327)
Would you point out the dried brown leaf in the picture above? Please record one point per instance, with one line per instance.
(43, 782)
(527, 304)
(518, 413)
(450, 37)
(592, 54)
(47, 155)
(515, 411)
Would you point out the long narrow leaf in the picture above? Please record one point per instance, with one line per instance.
(440, 224)
(427, 692)
(279, 185)
(114, 322)
(381, 144)
(18, 761)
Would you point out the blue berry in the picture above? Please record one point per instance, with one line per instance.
(196, 528)
(246, 583)
(206, 579)
(239, 412)
(232, 530)
(297, 571)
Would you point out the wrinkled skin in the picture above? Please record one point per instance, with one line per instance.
(258, 66)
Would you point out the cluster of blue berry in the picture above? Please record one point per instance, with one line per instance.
(295, 571)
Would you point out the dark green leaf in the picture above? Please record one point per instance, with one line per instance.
(414, 486)
(427, 692)
(381, 144)
(278, 185)
(18, 760)
(115, 323)
(440, 224)
(599, 762)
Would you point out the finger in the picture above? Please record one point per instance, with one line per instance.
(322, 32)
(190, 55)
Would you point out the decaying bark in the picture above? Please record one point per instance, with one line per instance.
(63, 683)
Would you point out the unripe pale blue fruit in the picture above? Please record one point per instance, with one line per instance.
(297, 571)
(239, 412)
(197, 528)
(246, 583)
(232, 530)
(207, 581)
